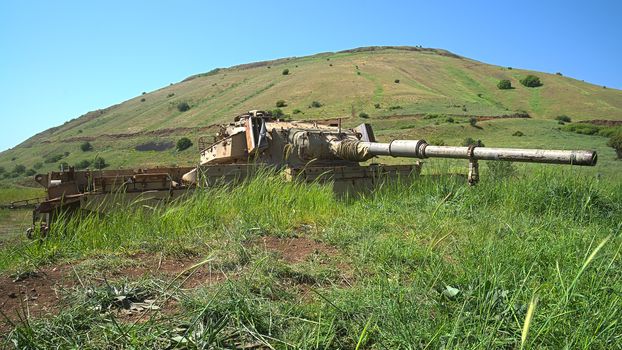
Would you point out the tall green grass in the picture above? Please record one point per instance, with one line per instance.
(426, 264)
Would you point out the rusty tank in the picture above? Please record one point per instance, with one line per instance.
(303, 150)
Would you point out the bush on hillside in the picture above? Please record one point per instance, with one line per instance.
(53, 158)
(183, 144)
(471, 142)
(30, 172)
(316, 104)
(37, 165)
(285, 71)
(83, 164)
(504, 84)
(296, 111)
(281, 103)
(531, 81)
(397, 81)
(615, 141)
(19, 169)
(183, 106)
(473, 121)
(563, 118)
(518, 133)
(86, 146)
(2, 170)
(377, 105)
(99, 163)
(363, 115)
(277, 113)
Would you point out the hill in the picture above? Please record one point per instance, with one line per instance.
(396, 86)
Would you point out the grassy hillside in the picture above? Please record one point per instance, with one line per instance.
(346, 83)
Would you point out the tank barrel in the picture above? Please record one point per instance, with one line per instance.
(420, 149)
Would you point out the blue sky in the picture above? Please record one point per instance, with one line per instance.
(61, 59)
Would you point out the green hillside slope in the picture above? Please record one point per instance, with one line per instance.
(383, 82)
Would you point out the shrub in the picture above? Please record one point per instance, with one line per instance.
(377, 105)
(85, 147)
(277, 113)
(472, 121)
(99, 163)
(142, 99)
(171, 94)
(615, 141)
(30, 172)
(37, 165)
(531, 81)
(316, 104)
(83, 164)
(183, 106)
(471, 142)
(582, 128)
(504, 84)
(53, 159)
(397, 81)
(18, 169)
(285, 71)
(563, 118)
(281, 103)
(363, 115)
(518, 133)
(395, 107)
(558, 73)
(296, 111)
(449, 120)
(183, 144)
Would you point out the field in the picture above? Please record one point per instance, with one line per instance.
(425, 264)
(527, 259)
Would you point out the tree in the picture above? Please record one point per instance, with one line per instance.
(285, 71)
(183, 106)
(183, 144)
(504, 84)
(531, 81)
(615, 141)
(99, 163)
(86, 146)
(281, 103)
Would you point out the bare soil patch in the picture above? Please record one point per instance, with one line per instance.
(295, 250)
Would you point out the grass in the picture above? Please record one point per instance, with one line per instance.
(530, 261)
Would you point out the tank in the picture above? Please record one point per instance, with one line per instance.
(306, 151)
